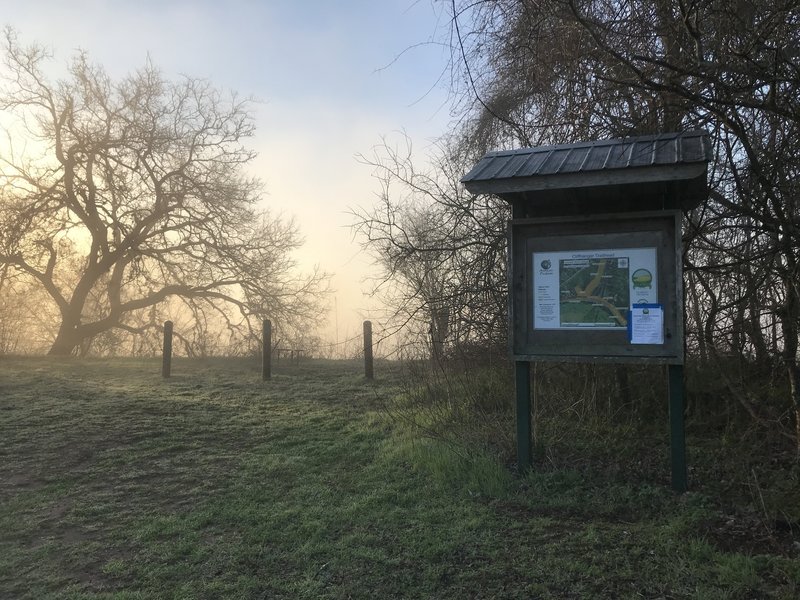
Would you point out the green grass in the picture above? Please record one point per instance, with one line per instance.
(117, 484)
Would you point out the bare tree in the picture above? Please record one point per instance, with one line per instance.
(12, 313)
(119, 195)
(441, 250)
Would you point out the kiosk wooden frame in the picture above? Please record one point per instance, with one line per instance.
(604, 200)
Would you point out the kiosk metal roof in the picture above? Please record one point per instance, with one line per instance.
(647, 166)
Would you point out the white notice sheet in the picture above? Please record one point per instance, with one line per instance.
(647, 324)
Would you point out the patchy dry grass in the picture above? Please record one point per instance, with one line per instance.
(213, 484)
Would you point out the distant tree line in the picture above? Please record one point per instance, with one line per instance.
(529, 73)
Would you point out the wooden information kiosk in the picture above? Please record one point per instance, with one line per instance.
(595, 257)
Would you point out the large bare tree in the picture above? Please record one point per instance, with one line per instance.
(120, 195)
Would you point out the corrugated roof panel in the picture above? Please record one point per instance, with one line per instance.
(533, 164)
(586, 158)
(575, 159)
(598, 154)
(641, 154)
(666, 151)
(553, 161)
(654, 153)
(618, 157)
(694, 149)
(565, 157)
(523, 167)
(512, 166)
(477, 171)
(485, 169)
(499, 161)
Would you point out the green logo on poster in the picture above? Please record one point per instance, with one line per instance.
(642, 278)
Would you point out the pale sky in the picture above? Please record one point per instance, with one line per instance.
(331, 78)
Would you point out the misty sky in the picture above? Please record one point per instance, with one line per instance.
(331, 78)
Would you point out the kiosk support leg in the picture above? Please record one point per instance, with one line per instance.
(523, 386)
(676, 427)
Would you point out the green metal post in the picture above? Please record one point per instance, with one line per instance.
(677, 427)
(523, 386)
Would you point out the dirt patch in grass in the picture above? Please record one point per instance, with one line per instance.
(750, 535)
(569, 515)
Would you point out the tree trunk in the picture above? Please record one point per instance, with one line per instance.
(439, 326)
(790, 317)
(793, 371)
(67, 339)
(757, 332)
(693, 306)
(794, 386)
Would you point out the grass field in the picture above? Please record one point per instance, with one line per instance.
(115, 483)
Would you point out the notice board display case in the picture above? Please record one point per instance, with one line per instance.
(603, 288)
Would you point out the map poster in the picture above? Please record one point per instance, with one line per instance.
(592, 289)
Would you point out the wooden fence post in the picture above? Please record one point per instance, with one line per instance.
(266, 350)
(166, 355)
(368, 370)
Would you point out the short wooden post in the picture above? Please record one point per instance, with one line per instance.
(266, 350)
(369, 373)
(166, 355)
